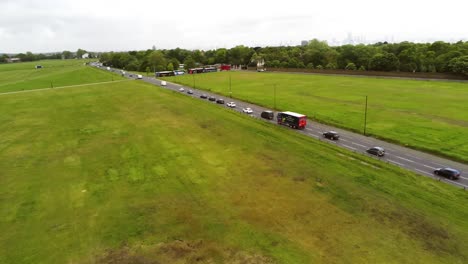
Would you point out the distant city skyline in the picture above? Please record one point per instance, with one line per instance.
(57, 25)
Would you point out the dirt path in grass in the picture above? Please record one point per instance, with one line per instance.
(60, 87)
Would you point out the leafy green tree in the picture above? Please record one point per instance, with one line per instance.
(3, 58)
(80, 53)
(310, 65)
(331, 57)
(240, 55)
(189, 63)
(408, 58)
(428, 62)
(384, 62)
(442, 61)
(157, 61)
(124, 60)
(351, 66)
(133, 65)
(362, 68)
(67, 54)
(293, 63)
(319, 67)
(315, 52)
(275, 64)
(255, 58)
(175, 62)
(459, 65)
(198, 56)
(439, 47)
(221, 56)
(331, 66)
(211, 60)
(170, 66)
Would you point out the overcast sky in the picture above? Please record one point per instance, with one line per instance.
(103, 25)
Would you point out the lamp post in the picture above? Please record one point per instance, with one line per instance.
(193, 76)
(230, 89)
(365, 117)
(274, 95)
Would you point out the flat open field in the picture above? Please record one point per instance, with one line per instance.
(56, 73)
(427, 115)
(130, 173)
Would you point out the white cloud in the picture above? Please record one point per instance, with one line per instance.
(56, 25)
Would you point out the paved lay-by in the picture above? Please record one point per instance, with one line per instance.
(419, 162)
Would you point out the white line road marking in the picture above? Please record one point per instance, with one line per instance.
(349, 147)
(427, 173)
(344, 140)
(357, 144)
(315, 136)
(392, 161)
(405, 159)
(432, 168)
(456, 183)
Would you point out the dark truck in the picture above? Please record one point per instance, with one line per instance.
(291, 119)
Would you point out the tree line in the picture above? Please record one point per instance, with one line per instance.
(29, 56)
(405, 56)
(438, 56)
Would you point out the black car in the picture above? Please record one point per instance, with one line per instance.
(204, 96)
(190, 92)
(378, 151)
(333, 135)
(220, 101)
(267, 115)
(450, 173)
(212, 98)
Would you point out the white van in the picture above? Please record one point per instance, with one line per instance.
(139, 76)
(163, 83)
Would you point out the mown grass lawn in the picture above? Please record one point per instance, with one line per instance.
(427, 115)
(131, 173)
(55, 73)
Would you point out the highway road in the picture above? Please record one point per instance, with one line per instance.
(416, 161)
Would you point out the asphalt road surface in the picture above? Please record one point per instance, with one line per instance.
(416, 161)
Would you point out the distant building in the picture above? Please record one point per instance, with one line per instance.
(85, 56)
(261, 65)
(12, 60)
(304, 43)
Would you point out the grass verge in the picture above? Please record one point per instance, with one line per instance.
(127, 171)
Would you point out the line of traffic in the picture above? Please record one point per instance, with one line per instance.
(349, 140)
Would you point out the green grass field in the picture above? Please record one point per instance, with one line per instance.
(55, 73)
(427, 115)
(131, 173)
